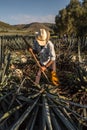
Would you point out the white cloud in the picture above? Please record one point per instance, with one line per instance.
(25, 19)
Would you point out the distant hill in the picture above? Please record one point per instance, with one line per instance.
(4, 27)
(32, 27)
(25, 28)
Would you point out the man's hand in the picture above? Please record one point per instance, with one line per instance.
(43, 68)
(30, 49)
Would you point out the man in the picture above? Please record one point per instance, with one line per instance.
(45, 50)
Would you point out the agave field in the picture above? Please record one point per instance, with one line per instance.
(25, 105)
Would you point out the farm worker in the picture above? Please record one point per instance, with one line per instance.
(46, 52)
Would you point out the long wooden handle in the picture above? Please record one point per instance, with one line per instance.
(36, 59)
(39, 65)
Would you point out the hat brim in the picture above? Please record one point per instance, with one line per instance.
(42, 42)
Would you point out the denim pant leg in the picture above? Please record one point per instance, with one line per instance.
(53, 66)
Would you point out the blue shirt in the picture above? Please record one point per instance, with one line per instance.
(46, 53)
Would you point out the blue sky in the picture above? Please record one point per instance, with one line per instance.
(28, 11)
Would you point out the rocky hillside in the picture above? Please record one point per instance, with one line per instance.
(4, 27)
(30, 28)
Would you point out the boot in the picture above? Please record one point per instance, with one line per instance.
(54, 78)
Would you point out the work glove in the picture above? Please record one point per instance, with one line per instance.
(54, 78)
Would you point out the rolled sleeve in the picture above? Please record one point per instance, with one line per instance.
(52, 51)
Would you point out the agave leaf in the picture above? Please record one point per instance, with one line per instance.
(1, 52)
(68, 116)
(64, 104)
(5, 81)
(33, 122)
(33, 96)
(52, 96)
(76, 114)
(72, 103)
(7, 62)
(55, 122)
(85, 112)
(24, 116)
(21, 85)
(4, 96)
(43, 115)
(72, 111)
(35, 85)
(25, 99)
(65, 121)
(18, 45)
(37, 94)
(32, 119)
(9, 113)
(12, 101)
(61, 116)
(47, 113)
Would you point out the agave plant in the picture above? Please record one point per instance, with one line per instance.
(37, 107)
(27, 106)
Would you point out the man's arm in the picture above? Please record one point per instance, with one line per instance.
(49, 63)
(43, 68)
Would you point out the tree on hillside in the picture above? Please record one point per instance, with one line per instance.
(84, 3)
(72, 21)
(83, 18)
(61, 21)
(67, 18)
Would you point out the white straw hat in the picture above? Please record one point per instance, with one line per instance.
(42, 37)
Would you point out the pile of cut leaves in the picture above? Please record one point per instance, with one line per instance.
(25, 105)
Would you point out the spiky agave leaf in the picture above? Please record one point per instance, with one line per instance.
(63, 118)
(7, 114)
(33, 107)
(53, 115)
(47, 113)
(24, 116)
